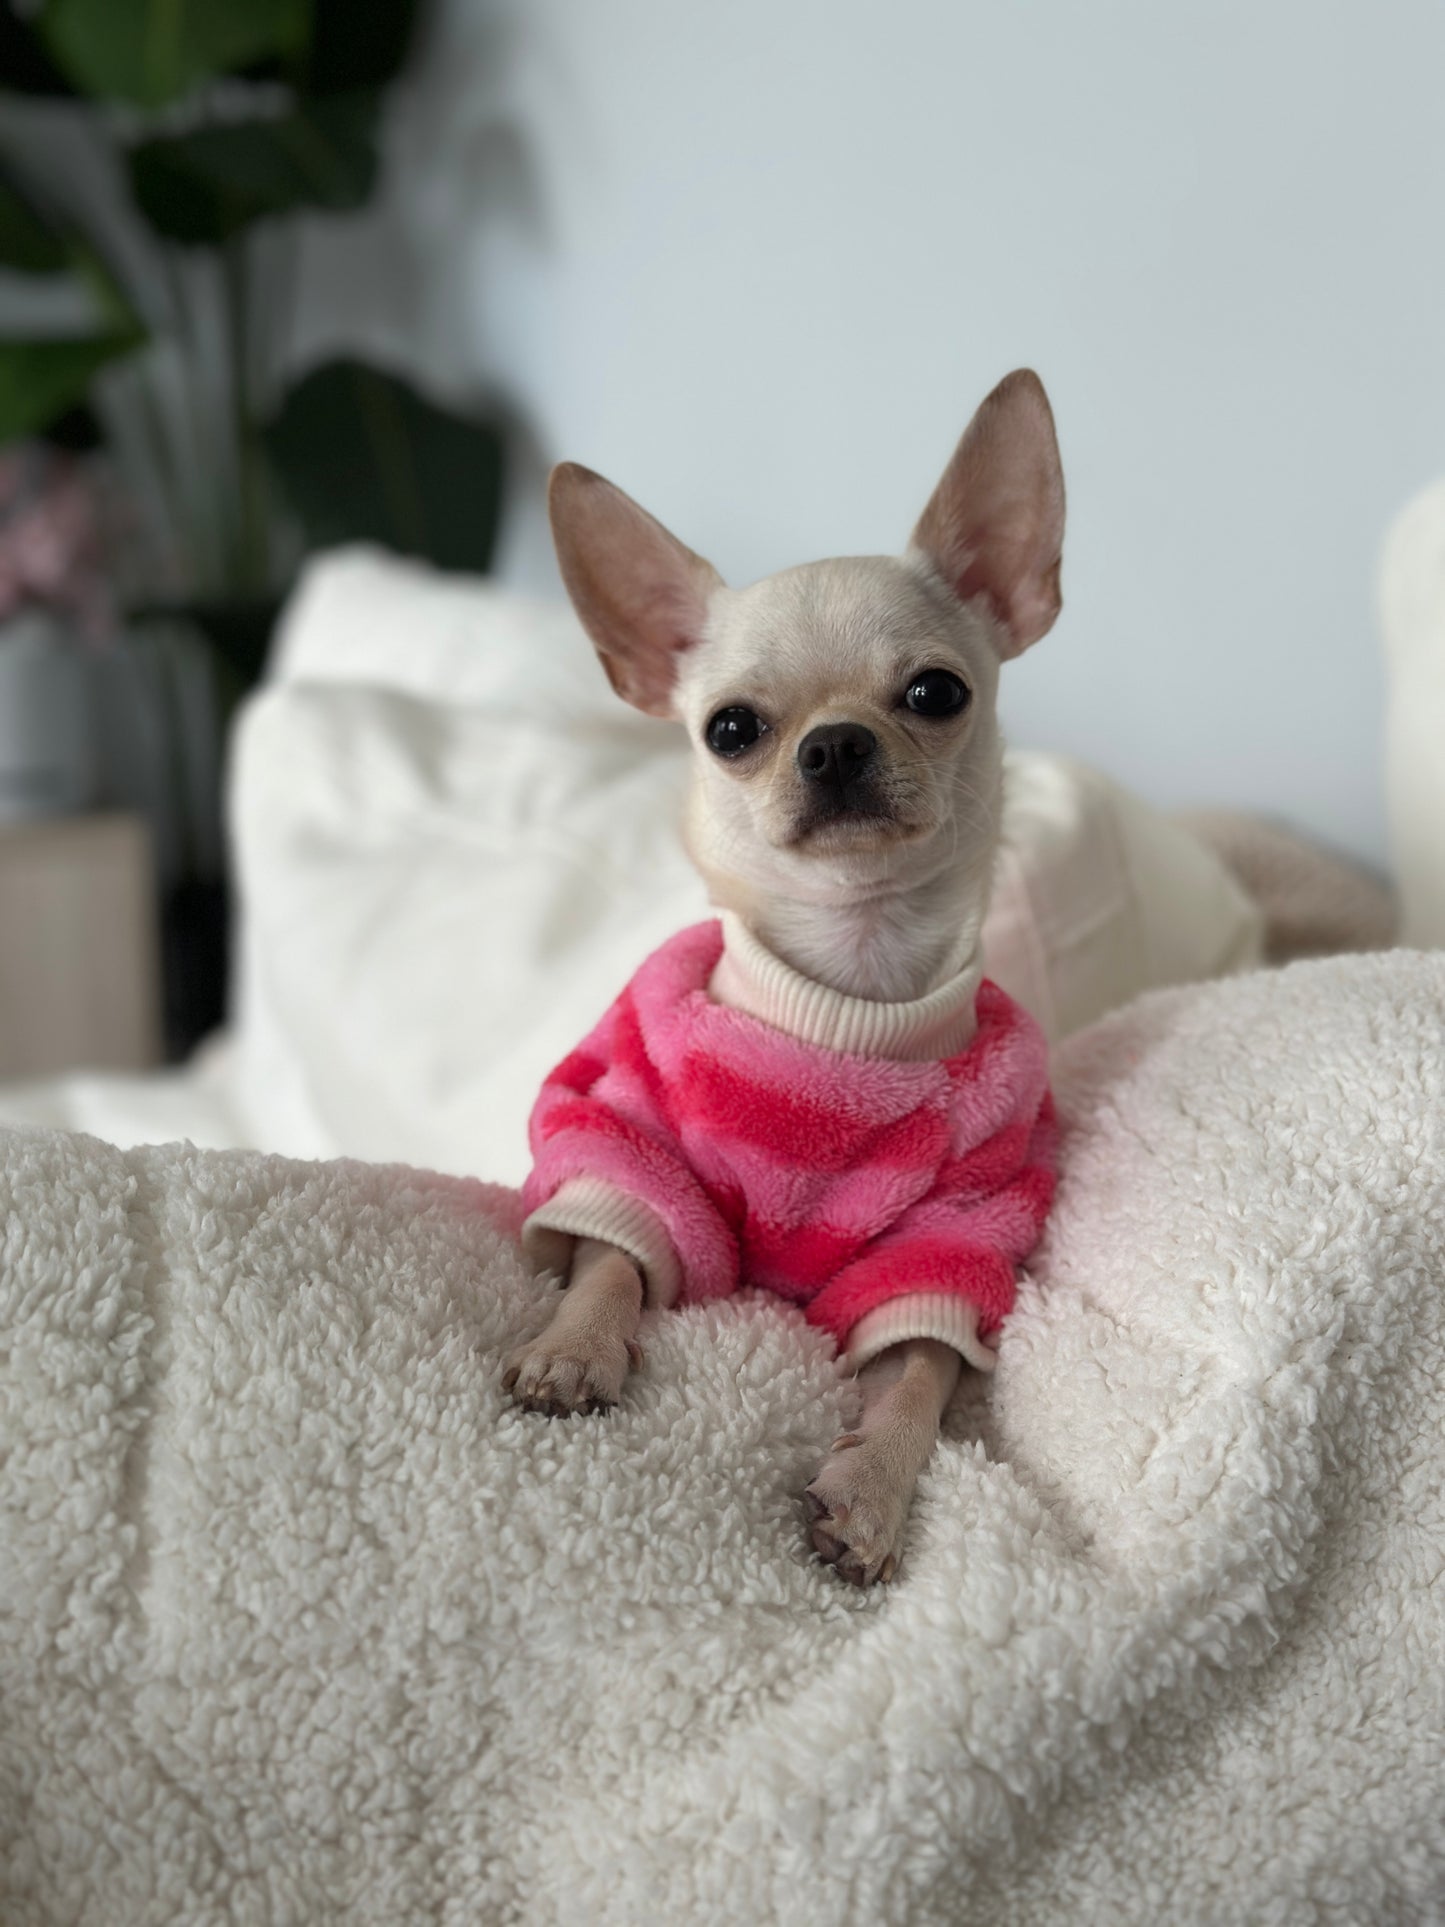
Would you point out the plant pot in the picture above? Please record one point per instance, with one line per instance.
(46, 764)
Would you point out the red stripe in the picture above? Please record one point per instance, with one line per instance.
(983, 1277)
(798, 1130)
(807, 1256)
(630, 1053)
(986, 1166)
(579, 1071)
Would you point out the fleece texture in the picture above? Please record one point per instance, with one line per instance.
(718, 1150)
(301, 1622)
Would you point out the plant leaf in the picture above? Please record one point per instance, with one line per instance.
(27, 240)
(201, 188)
(363, 457)
(25, 66)
(357, 43)
(41, 380)
(151, 51)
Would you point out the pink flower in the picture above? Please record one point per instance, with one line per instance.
(53, 539)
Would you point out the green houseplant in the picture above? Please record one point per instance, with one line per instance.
(208, 127)
(157, 159)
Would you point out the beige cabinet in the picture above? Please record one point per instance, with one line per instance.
(79, 971)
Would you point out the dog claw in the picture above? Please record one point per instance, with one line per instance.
(828, 1549)
(847, 1561)
(820, 1509)
(855, 1511)
(556, 1380)
(555, 1407)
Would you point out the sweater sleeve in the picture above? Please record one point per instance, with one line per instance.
(947, 1268)
(607, 1164)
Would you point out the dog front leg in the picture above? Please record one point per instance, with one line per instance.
(859, 1501)
(579, 1363)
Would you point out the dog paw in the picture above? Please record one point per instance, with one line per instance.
(559, 1379)
(856, 1508)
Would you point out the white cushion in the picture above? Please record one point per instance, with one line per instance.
(1098, 896)
(452, 860)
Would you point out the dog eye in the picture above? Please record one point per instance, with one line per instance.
(936, 692)
(733, 730)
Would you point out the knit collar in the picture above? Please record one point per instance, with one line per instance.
(749, 978)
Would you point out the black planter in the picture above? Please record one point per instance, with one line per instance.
(195, 957)
(238, 631)
(196, 912)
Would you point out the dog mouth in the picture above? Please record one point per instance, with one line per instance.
(844, 822)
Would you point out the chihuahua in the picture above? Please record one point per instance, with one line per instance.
(844, 813)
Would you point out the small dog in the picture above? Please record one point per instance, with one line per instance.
(816, 1094)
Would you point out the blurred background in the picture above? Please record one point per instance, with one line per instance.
(277, 275)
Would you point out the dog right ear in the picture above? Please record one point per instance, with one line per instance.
(642, 595)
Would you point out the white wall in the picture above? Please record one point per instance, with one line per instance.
(758, 261)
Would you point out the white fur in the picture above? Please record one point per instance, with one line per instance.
(301, 1621)
(836, 641)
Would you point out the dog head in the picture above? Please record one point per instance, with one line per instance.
(843, 714)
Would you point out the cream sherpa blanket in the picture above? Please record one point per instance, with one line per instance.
(299, 1622)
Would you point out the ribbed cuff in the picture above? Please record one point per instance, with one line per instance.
(592, 1208)
(920, 1314)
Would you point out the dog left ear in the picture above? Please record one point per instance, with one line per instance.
(994, 529)
(642, 595)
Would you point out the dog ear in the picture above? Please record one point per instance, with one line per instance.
(641, 594)
(994, 529)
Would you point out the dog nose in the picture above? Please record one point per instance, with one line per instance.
(835, 752)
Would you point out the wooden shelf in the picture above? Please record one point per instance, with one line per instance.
(79, 947)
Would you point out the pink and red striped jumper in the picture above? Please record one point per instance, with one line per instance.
(729, 1123)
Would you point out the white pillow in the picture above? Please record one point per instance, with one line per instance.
(445, 880)
(362, 617)
(439, 903)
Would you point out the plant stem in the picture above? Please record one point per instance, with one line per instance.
(166, 658)
(253, 548)
(182, 527)
(194, 430)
